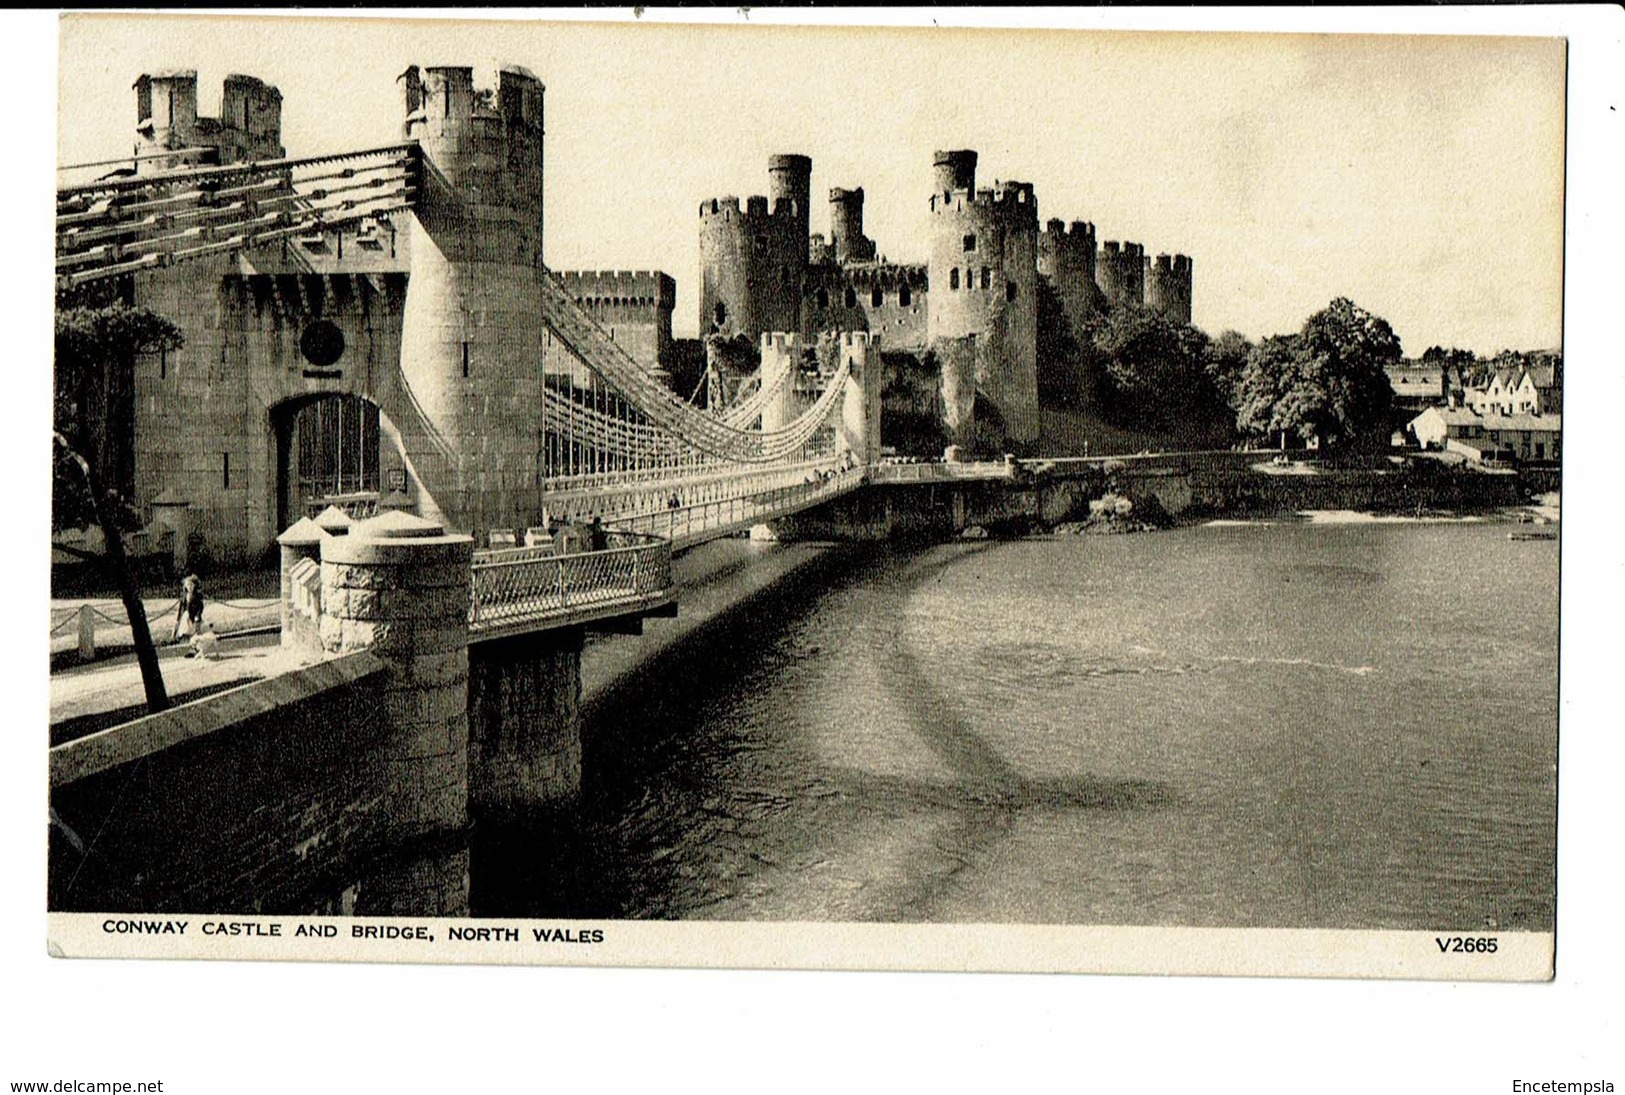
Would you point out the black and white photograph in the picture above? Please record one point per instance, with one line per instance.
(761, 490)
(629, 492)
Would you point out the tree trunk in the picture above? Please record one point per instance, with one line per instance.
(146, 655)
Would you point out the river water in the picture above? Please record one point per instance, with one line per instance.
(1265, 724)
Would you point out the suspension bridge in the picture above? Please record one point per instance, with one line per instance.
(621, 451)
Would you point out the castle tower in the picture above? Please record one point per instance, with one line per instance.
(789, 187)
(1168, 287)
(1120, 273)
(846, 226)
(752, 260)
(984, 273)
(471, 330)
(1067, 257)
(249, 126)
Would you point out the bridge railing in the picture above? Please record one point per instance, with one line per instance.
(940, 471)
(684, 525)
(534, 586)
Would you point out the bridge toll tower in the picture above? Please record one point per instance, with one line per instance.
(781, 360)
(860, 408)
(249, 126)
(984, 274)
(1168, 287)
(471, 328)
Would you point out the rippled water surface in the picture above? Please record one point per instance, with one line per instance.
(1262, 725)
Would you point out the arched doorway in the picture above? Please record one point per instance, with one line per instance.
(328, 453)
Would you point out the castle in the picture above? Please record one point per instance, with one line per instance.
(762, 272)
(405, 353)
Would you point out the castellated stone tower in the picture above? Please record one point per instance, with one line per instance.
(1120, 273)
(1168, 287)
(752, 261)
(472, 331)
(984, 272)
(249, 126)
(1067, 257)
(846, 226)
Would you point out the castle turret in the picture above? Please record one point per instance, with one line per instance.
(1120, 273)
(955, 171)
(984, 271)
(471, 330)
(860, 407)
(846, 226)
(249, 126)
(1066, 256)
(1168, 287)
(789, 185)
(752, 260)
(781, 357)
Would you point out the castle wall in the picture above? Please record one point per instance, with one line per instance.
(890, 300)
(634, 306)
(984, 273)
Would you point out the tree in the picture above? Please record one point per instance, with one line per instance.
(1327, 381)
(1152, 370)
(95, 350)
(1226, 359)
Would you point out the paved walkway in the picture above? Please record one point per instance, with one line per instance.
(115, 684)
(243, 602)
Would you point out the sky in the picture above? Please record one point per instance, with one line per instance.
(1420, 176)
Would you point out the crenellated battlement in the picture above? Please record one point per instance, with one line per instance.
(1076, 234)
(887, 275)
(859, 340)
(621, 288)
(444, 98)
(780, 342)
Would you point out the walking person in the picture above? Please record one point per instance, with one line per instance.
(189, 609)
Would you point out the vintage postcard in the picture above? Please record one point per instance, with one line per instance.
(627, 493)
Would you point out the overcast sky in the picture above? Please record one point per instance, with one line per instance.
(1421, 176)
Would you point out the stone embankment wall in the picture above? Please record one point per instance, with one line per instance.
(347, 784)
(261, 799)
(1189, 485)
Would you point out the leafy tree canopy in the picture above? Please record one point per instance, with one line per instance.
(1153, 369)
(1326, 381)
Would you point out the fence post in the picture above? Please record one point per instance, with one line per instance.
(87, 633)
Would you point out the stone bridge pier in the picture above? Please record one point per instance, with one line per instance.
(470, 731)
(398, 586)
(524, 724)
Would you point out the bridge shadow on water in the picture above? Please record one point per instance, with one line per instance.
(693, 797)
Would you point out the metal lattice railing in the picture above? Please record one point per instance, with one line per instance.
(536, 585)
